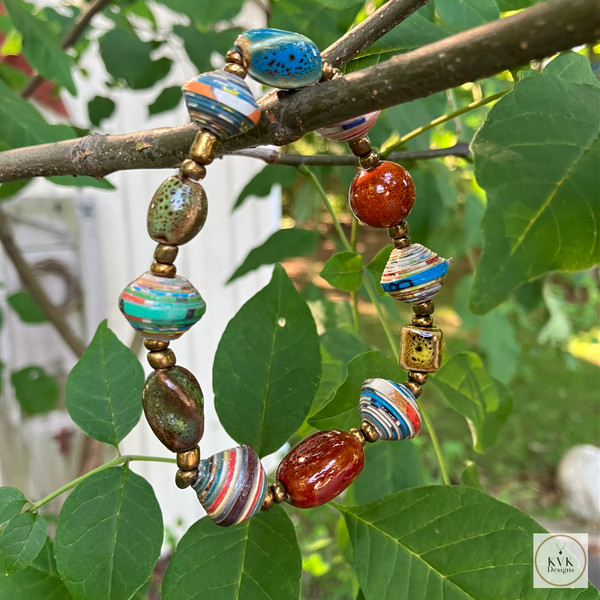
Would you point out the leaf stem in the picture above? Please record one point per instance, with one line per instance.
(436, 445)
(354, 295)
(461, 111)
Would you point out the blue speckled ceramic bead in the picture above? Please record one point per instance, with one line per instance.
(282, 59)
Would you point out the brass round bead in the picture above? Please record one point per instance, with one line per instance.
(369, 432)
(418, 377)
(165, 253)
(188, 461)
(398, 231)
(414, 387)
(204, 148)
(402, 242)
(155, 345)
(327, 70)
(184, 479)
(360, 147)
(279, 492)
(422, 320)
(233, 56)
(423, 308)
(269, 500)
(162, 359)
(192, 170)
(162, 270)
(359, 435)
(236, 70)
(370, 160)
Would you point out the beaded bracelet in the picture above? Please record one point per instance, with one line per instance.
(232, 485)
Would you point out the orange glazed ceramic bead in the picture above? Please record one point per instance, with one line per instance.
(321, 467)
(382, 196)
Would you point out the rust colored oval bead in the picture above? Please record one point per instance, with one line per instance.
(383, 196)
(321, 467)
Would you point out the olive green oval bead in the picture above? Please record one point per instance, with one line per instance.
(177, 211)
(174, 407)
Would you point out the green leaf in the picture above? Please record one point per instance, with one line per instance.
(377, 265)
(10, 188)
(342, 410)
(536, 156)
(109, 535)
(471, 392)
(260, 185)
(168, 99)
(35, 390)
(498, 340)
(39, 581)
(41, 46)
(104, 388)
(285, 243)
(449, 542)
(12, 501)
(25, 306)
(470, 476)
(196, 42)
(257, 559)
(389, 467)
(344, 271)
(267, 367)
(466, 14)
(139, 71)
(81, 181)
(206, 13)
(22, 539)
(13, 44)
(100, 108)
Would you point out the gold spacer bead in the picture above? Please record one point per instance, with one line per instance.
(192, 170)
(414, 387)
(233, 56)
(359, 435)
(418, 377)
(155, 345)
(236, 70)
(279, 492)
(165, 253)
(369, 432)
(370, 160)
(327, 70)
(361, 146)
(423, 308)
(402, 242)
(188, 461)
(162, 359)
(162, 270)
(184, 479)
(398, 231)
(269, 500)
(422, 320)
(204, 148)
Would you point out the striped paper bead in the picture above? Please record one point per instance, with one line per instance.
(222, 103)
(414, 274)
(231, 485)
(161, 308)
(352, 129)
(391, 408)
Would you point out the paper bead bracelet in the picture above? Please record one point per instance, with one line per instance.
(232, 485)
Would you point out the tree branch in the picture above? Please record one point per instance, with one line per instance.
(535, 33)
(81, 22)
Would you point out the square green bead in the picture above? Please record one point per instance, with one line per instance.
(421, 348)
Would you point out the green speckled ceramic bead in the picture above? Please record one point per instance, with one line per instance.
(174, 407)
(177, 211)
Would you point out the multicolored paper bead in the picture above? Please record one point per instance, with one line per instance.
(414, 273)
(221, 103)
(391, 408)
(352, 129)
(281, 59)
(161, 308)
(231, 485)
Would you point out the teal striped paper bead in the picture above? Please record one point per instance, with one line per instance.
(161, 308)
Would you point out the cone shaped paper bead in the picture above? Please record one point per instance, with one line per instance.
(281, 59)
(161, 308)
(352, 129)
(414, 274)
(222, 103)
(391, 408)
(231, 485)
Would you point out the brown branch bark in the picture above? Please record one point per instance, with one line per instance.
(508, 43)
